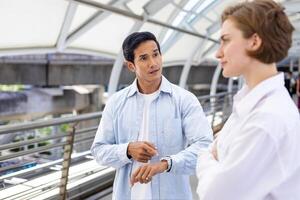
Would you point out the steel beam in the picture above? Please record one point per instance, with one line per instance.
(66, 25)
(139, 17)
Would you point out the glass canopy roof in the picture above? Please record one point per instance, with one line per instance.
(98, 27)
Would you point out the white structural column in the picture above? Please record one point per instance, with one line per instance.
(117, 68)
(215, 79)
(299, 65)
(291, 64)
(66, 25)
(230, 85)
(213, 87)
(240, 82)
(187, 66)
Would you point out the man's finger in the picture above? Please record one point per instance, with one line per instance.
(151, 145)
(143, 160)
(146, 178)
(150, 148)
(132, 180)
(145, 156)
(140, 174)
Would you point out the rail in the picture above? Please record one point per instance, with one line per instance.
(217, 108)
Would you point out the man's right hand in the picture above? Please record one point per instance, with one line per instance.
(141, 151)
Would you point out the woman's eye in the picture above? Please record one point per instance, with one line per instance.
(225, 40)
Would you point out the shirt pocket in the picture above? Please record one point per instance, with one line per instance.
(172, 133)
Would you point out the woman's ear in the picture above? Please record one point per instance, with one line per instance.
(130, 66)
(255, 42)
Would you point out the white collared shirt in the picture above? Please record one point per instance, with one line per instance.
(258, 148)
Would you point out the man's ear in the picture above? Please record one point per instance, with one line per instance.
(255, 42)
(130, 66)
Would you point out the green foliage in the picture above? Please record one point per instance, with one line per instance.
(41, 132)
(46, 131)
(40, 144)
(11, 88)
(64, 128)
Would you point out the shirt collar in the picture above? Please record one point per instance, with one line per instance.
(245, 100)
(165, 86)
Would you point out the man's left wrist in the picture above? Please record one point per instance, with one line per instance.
(168, 161)
(164, 165)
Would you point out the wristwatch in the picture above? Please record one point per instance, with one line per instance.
(169, 162)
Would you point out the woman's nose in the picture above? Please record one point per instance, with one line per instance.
(219, 53)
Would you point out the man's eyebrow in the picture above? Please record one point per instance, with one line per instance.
(142, 55)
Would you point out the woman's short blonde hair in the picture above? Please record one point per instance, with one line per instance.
(267, 19)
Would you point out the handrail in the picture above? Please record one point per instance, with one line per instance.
(52, 122)
(67, 144)
(221, 94)
(31, 141)
(44, 165)
(218, 106)
(58, 121)
(213, 105)
(30, 151)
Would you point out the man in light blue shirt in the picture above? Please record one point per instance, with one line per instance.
(152, 130)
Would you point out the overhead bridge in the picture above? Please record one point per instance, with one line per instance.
(61, 69)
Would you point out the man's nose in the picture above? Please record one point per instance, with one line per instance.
(152, 62)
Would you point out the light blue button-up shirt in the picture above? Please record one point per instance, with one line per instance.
(177, 127)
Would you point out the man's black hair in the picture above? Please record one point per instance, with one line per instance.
(133, 41)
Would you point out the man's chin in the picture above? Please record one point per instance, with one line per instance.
(155, 78)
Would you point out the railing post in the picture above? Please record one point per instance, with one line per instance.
(224, 107)
(68, 148)
(213, 108)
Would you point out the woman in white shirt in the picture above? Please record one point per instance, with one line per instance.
(256, 155)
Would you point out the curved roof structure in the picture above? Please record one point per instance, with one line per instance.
(188, 30)
(99, 26)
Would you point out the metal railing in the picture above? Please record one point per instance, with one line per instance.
(217, 108)
(67, 144)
